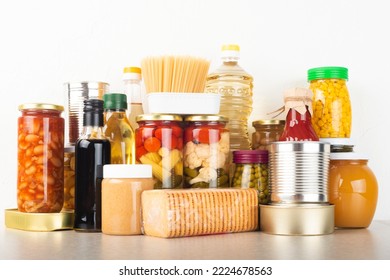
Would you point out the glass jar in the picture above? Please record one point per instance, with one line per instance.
(332, 114)
(122, 187)
(69, 178)
(159, 142)
(353, 189)
(267, 131)
(40, 182)
(251, 171)
(206, 152)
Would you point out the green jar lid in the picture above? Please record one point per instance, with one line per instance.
(115, 101)
(329, 72)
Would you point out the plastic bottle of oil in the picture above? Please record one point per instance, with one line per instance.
(235, 86)
(118, 130)
(134, 92)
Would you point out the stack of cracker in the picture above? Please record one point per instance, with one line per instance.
(190, 212)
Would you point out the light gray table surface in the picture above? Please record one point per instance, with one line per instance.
(347, 244)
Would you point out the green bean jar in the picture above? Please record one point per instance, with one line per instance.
(251, 171)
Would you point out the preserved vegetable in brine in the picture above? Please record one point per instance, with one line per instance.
(40, 158)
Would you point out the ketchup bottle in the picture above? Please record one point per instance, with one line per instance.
(298, 120)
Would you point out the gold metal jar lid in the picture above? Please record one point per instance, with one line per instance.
(41, 106)
(297, 219)
(268, 122)
(209, 118)
(39, 221)
(158, 117)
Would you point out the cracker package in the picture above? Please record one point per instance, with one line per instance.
(190, 212)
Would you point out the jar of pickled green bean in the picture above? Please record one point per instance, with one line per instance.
(251, 171)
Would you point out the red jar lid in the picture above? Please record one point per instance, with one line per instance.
(250, 156)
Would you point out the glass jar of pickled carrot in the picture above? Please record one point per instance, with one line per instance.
(206, 152)
(332, 116)
(159, 142)
(40, 182)
(353, 189)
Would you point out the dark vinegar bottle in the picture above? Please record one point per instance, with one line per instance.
(92, 152)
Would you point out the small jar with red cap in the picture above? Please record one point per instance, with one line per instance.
(251, 171)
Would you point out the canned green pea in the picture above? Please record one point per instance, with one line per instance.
(251, 171)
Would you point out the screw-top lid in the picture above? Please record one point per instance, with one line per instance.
(348, 156)
(268, 122)
(132, 73)
(328, 72)
(230, 52)
(250, 156)
(124, 171)
(41, 106)
(115, 101)
(93, 112)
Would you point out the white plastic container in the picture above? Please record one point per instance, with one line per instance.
(183, 103)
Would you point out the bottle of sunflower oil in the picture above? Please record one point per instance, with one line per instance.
(118, 129)
(235, 86)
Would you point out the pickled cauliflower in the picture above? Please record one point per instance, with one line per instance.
(206, 174)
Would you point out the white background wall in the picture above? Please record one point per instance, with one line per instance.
(46, 43)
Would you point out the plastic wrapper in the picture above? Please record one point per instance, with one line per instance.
(191, 212)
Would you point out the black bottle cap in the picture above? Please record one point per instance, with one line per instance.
(93, 112)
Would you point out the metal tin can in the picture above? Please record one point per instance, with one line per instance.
(76, 93)
(251, 171)
(40, 184)
(267, 131)
(159, 142)
(299, 172)
(206, 152)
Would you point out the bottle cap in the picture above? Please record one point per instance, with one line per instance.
(250, 156)
(124, 171)
(230, 52)
(93, 112)
(132, 73)
(328, 72)
(114, 101)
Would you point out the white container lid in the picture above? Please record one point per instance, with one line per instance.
(338, 141)
(348, 156)
(124, 171)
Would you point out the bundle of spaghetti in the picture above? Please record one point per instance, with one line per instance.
(174, 73)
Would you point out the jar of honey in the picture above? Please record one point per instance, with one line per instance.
(353, 189)
(40, 183)
(332, 114)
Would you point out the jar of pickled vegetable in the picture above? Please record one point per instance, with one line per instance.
(267, 131)
(332, 116)
(40, 182)
(69, 177)
(353, 189)
(251, 171)
(159, 142)
(206, 152)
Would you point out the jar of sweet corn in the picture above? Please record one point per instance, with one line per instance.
(332, 116)
(251, 171)
(353, 189)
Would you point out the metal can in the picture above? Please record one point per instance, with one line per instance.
(267, 131)
(40, 183)
(206, 152)
(159, 142)
(76, 93)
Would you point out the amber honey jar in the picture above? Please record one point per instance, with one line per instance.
(40, 180)
(353, 189)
